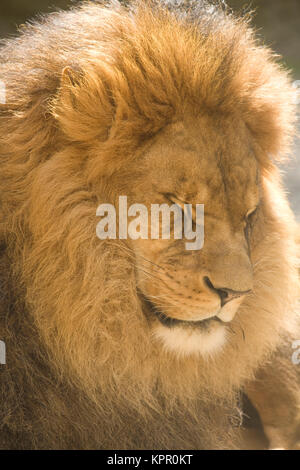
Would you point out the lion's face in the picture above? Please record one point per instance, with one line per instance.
(191, 296)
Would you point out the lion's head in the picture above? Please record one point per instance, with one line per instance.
(161, 109)
(190, 297)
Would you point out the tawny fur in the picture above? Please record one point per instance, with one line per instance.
(86, 89)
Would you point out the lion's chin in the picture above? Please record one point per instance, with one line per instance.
(190, 341)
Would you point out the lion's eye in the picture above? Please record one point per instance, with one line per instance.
(248, 220)
(250, 214)
(174, 199)
(180, 203)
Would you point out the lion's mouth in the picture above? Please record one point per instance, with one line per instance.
(171, 322)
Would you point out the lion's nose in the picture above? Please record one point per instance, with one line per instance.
(225, 294)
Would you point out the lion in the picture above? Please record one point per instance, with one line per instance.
(142, 344)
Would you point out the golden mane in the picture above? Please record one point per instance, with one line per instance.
(86, 89)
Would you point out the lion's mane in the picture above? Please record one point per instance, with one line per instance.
(85, 89)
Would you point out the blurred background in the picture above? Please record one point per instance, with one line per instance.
(277, 23)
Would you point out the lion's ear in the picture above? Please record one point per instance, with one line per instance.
(82, 106)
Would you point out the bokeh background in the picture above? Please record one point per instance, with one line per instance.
(277, 23)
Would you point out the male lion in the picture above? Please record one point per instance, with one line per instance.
(142, 343)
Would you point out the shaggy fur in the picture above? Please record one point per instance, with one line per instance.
(87, 90)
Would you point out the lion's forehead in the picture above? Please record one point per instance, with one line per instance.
(197, 177)
(200, 164)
